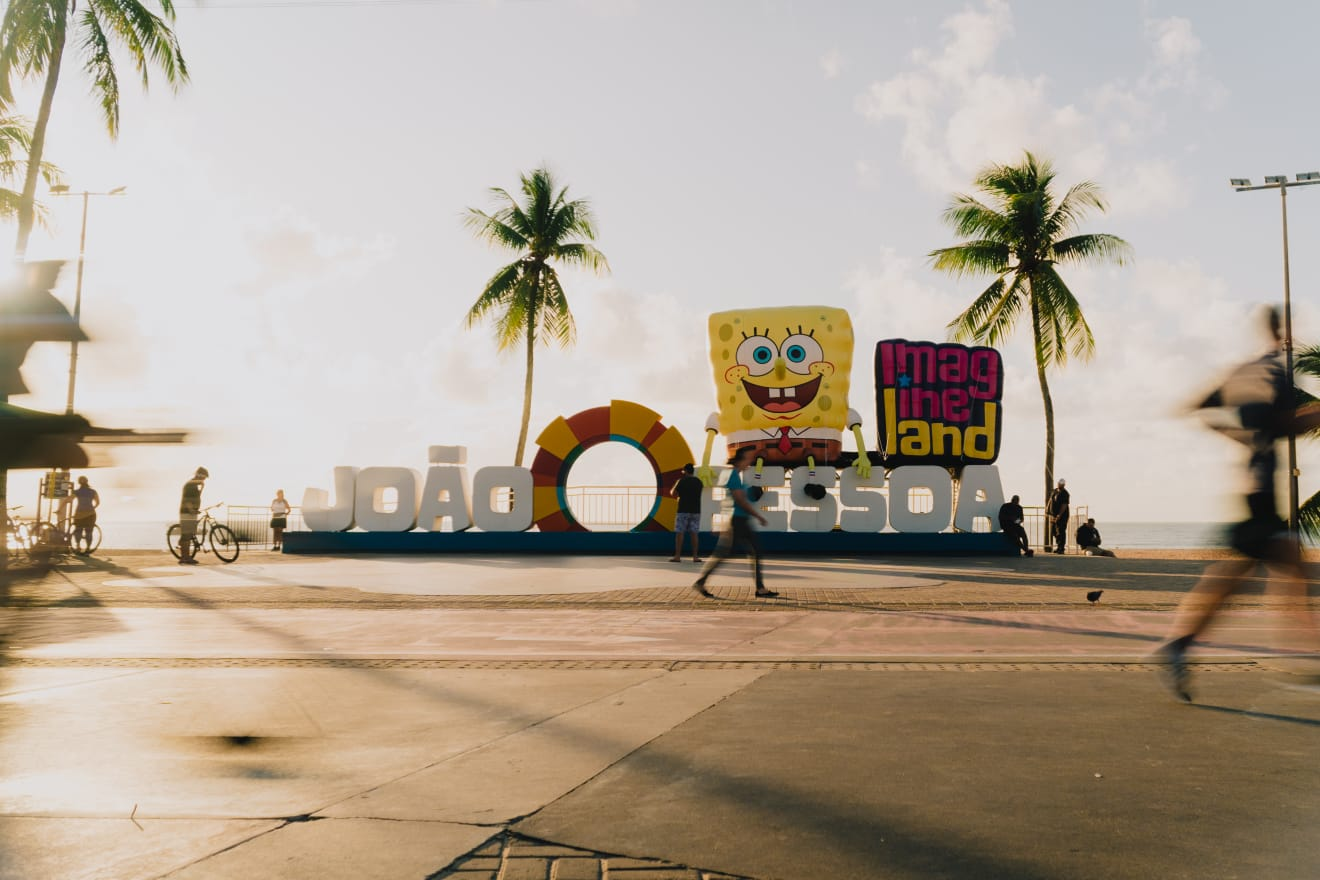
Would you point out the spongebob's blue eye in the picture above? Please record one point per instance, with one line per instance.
(757, 354)
(800, 352)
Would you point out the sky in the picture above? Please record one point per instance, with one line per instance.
(287, 273)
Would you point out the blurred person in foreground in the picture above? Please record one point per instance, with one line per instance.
(740, 530)
(1255, 407)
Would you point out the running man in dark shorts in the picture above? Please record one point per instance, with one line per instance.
(688, 491)
(1258, 400)
(740, 531)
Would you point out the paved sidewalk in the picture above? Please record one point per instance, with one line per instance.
(561, 719)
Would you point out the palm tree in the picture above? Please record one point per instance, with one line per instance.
(33, 38)
(1021, 236)
(1307, 363)
(15, 146)
(525, 298)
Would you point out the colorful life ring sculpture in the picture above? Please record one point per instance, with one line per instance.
(564, 440)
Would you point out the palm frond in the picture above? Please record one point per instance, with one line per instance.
(967, 326)
(972, 219)
(1031, 175)
(100, 67)
(1308, 517)
(51, 173)
(557, 320)
(583, 255)
(1072, 335)
(972, 258)
(1306, 360)
(30, 34)
(494, 230)
(998, 324)
(1095, 246)
(1076, 203)
(15, 137)
(497, 293)
(147, 36)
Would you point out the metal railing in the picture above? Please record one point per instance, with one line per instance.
(252, 524)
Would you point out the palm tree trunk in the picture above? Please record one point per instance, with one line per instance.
(532, 312)
(1049, 418)
(27, 202)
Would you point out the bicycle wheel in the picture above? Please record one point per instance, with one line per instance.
(224, 542)
(172, 540)
(85, 546)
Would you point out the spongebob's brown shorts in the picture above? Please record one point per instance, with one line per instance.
(823, 451)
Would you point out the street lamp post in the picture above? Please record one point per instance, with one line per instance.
(63, 190)
(1282, 184)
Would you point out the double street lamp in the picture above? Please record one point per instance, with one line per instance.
(61, 189)
(1282, 184)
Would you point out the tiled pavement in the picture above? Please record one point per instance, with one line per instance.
(293, 629)
(510, 856)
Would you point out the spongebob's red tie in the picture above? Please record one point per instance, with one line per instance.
(784, 446)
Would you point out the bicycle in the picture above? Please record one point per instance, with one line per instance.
(223, 541)
(85, 546)
(17, 535)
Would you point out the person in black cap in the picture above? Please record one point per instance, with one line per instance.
(190, 507)
(1057, 508)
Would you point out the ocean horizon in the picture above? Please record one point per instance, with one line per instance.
(1117, 535)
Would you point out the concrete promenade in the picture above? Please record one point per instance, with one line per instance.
(573, 718)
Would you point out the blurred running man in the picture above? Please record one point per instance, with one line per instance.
(1256, 409)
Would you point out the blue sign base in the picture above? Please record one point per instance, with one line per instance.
(836, 543)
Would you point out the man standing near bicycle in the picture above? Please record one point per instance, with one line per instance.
(190, 507)
(86, 500)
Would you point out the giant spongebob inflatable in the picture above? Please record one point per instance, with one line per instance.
(781, 383)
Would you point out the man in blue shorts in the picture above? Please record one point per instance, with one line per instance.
(740, 530)
(688, 491)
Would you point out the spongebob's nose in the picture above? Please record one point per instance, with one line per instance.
(780, 369)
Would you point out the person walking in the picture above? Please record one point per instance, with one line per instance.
(190, 508)
(1057, 508)
(688, 491)
(739, 530)
(86, 500)
(1088, 540)
(1258, 401)
(1010, 521)
(279, 519)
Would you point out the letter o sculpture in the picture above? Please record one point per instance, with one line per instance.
(564, 440)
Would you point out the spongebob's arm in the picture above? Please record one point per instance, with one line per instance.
(863, 462)
(705, 473)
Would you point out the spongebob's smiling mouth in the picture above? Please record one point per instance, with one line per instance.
(783, 400)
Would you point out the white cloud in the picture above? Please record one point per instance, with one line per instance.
(959, 114)
(1145, 187)
(974, 36)
(831, 64)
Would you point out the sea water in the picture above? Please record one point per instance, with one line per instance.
(1118, 535)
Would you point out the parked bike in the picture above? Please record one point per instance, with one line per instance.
(221, 539)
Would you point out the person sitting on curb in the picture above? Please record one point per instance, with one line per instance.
(1010, 520)
(1088, 538)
